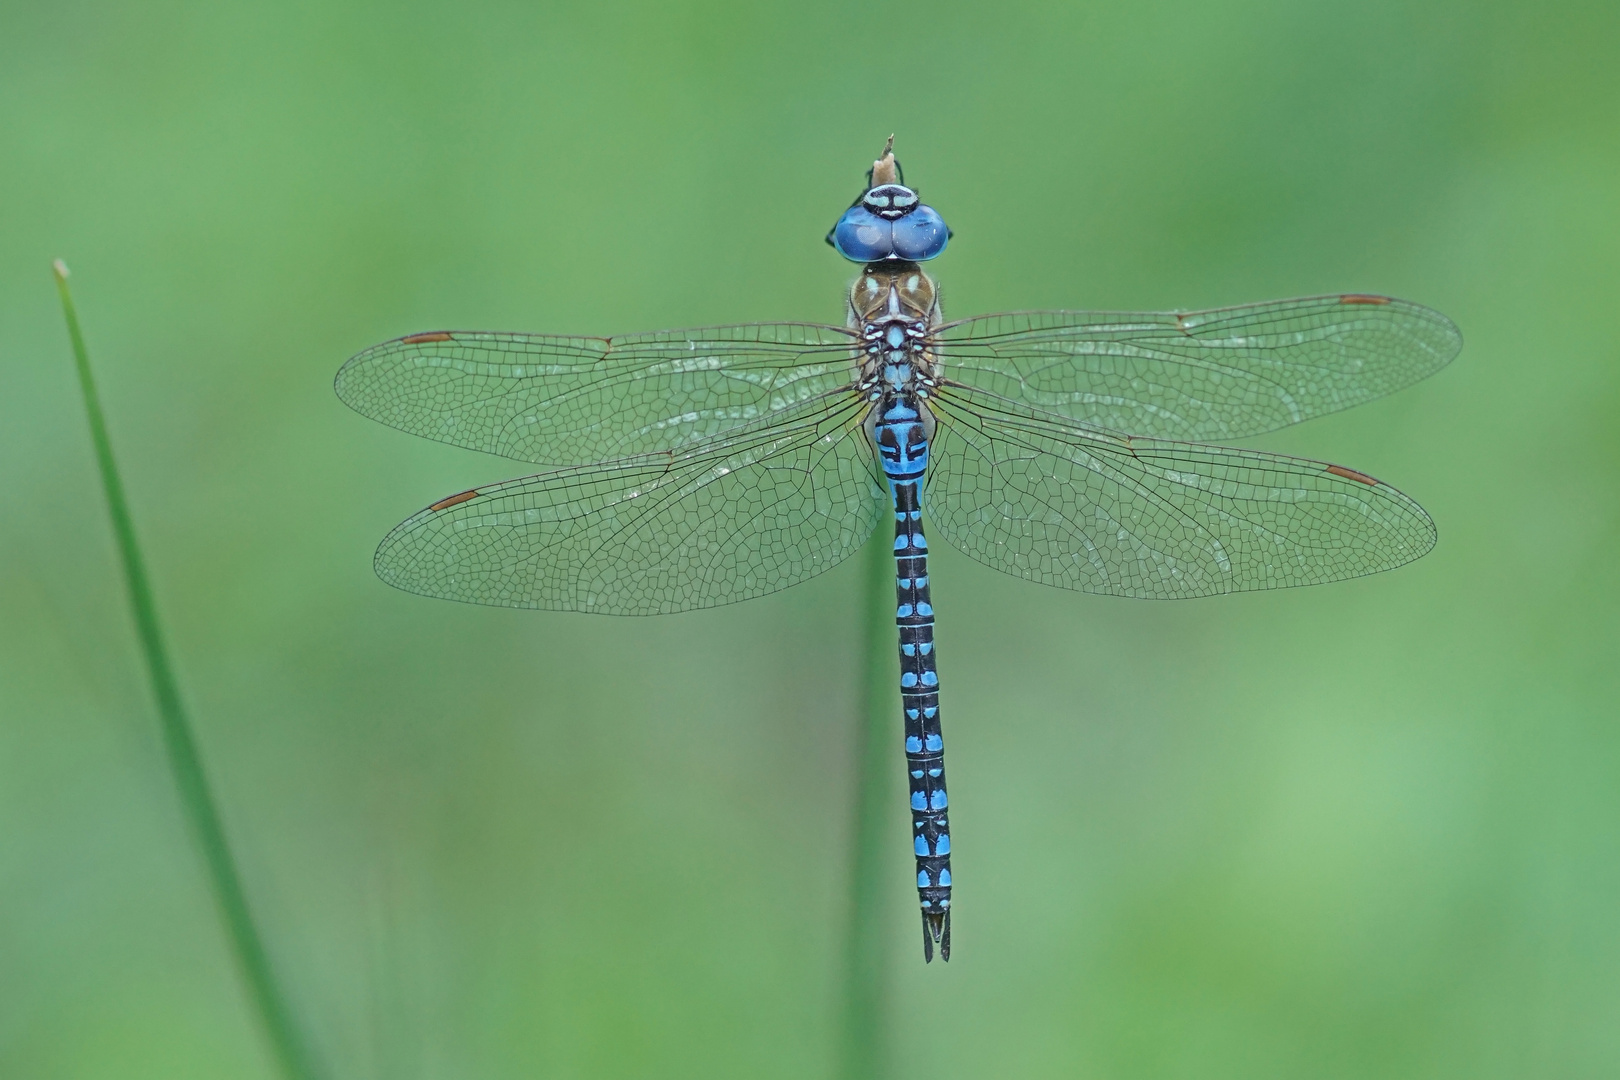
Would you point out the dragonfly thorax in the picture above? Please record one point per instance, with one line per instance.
(889, 290)
(895, 308)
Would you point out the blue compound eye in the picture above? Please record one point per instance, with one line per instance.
(920, 235)
(862, 236)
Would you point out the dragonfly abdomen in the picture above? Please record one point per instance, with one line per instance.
(902, 440)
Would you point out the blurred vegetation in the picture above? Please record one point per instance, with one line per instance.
(191, 785)
(1365, 830)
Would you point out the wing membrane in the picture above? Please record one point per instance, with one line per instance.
(1203, 375)
(759, 509)
(569, 400)
(1040, 497)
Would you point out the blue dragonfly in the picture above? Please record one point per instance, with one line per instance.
(693, 468)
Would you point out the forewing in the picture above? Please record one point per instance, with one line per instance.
(570, 400)
(1202, 375)
(756, 510)
(1041, 497)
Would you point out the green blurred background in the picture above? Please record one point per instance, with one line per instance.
(1364, 830)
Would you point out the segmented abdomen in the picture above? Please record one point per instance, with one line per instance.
(919, 695)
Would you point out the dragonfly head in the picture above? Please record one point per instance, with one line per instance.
(888, 222)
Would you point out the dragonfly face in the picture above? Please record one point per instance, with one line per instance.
(890, 201)
(691, 468)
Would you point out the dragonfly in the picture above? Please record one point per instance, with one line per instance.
(688, 469)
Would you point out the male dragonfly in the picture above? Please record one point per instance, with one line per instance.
(692, 468)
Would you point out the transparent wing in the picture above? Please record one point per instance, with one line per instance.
(568, 400)
(756, 510)
(1202, 375)
(1041, 497)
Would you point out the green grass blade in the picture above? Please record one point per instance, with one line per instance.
(184, 760)
(866, 975)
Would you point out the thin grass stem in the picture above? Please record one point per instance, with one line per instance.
(867, 976)
(185, 763)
